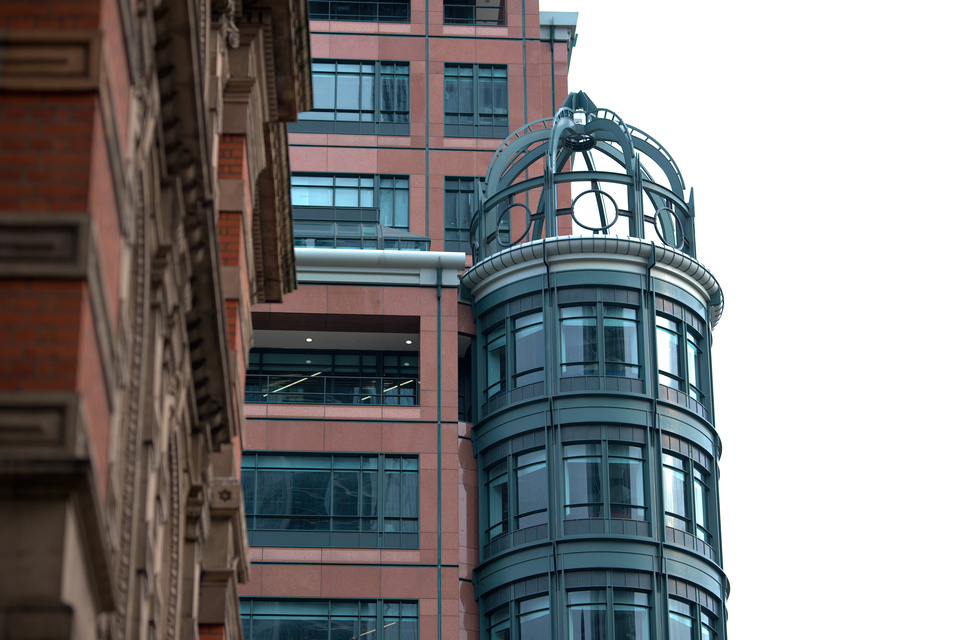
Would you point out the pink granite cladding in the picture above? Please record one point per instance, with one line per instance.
(352, 160)
(450, 588)
(353, 437)
(465, 321)
(402, 49)
(450, 556)
(410, 438)
(293, 554)
(451, 624)
(502, 52)
(428, 626)
(349, 556)
(255, 434)
(251, 410)
(449, 461)
(282, 435)
(454, 143)
(350, 47)
(280, 581)
(428, 460)
(453, 163)
(395, 556)
(253, 586)
(429, 607)
(308, 159)
(316, 139)
(350, 581)
(400, 161)
(319, 45)
(348, 140)
(450, 541)
(408, 582)
(492, 143)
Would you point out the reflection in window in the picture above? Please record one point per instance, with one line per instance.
(328, 619)
(331, 493)
(679, 351)
(499, 501)
(587, 615)
(531, 489)
(584, 481)
(475, 101)
(580, 351)
(535, 618)
(528, 349)
(621, 344)
(496, 361)
(372, 92)
(303, 376)
(685, 502)
(578, 341)
(390, 193)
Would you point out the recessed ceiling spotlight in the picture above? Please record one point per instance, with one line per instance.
(409, 341)
(308, 362)
(309, 339)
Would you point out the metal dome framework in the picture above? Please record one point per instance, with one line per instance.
(550, 149)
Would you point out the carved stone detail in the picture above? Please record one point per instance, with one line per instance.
(49, 60)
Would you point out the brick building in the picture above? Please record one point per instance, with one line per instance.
(144, 207)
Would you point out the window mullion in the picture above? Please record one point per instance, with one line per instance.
(377, 89)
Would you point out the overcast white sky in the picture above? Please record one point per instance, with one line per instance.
(821, 139)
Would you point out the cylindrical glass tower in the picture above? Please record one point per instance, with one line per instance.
(593, 428)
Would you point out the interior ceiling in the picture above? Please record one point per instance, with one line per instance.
(345, 340)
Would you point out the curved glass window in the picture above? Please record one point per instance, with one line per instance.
(578, 341)
(603, 480)
(690, 622)
(686, 495)
(588, 615)
(528, 349)
(680, 355)
(611, 349)
(621, 344)
(496, 361)
(531, 489)
(535, 618)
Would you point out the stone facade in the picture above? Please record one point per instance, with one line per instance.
(144, 207)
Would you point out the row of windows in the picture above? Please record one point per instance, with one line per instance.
(605, 477)
(373, 97)
(598, 337)
(391, 194)
(454, 11)
(600, 612)
(338, 500)
(329, 619)
(388, 196)
(304, 376)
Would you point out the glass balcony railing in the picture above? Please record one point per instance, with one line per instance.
(360, 390)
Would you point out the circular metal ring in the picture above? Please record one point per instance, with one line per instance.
(678, 226)
(500, 219)
(573, 211)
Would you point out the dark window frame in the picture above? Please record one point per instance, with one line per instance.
(464, 12)
(325, 524)
(328, 376)
(687, 382)
(360, 11)
(696, 527)
(605, 365)
(329, 616)
(611, 599)
(336, 117)
(463, 115)
(375, 185)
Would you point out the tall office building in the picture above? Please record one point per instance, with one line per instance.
(486, 412)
